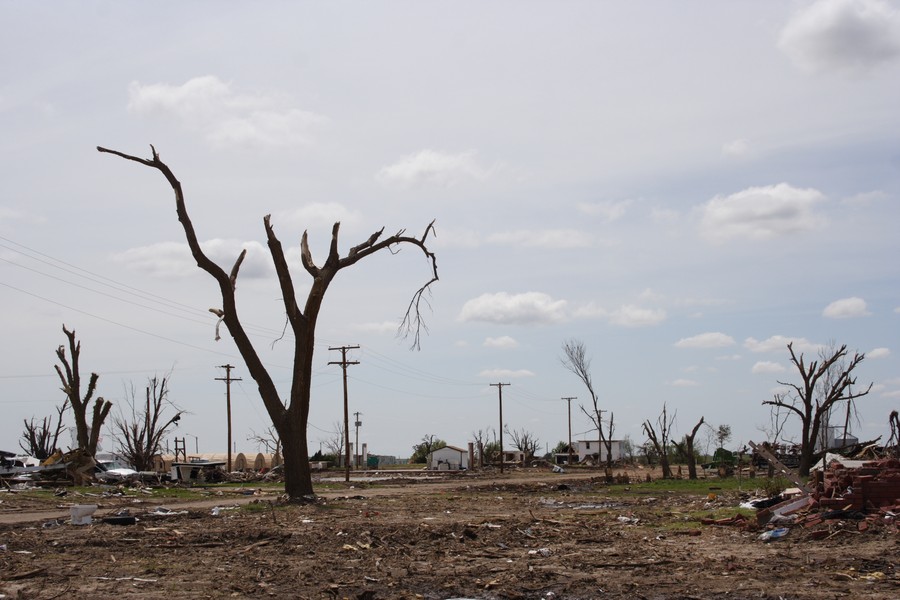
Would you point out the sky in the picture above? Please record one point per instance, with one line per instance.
(684, 188)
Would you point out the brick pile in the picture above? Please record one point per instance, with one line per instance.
(874, 486)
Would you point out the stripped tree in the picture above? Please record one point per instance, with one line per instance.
(524, 441)
(576, 360)
(141, 432)
(686, 448)
(290, 420)
(87, 434)
(824, 383)
(40, 440)
(660, 440)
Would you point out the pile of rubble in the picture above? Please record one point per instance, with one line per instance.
(861, 485)
(849, 495)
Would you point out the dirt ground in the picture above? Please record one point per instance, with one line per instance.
(517, 536)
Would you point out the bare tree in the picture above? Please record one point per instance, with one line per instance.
(576, 360)
(660, 440)
(524, 441)
(811, 402)
(87, 435)
(40, 440)
(686, 447)
(291, 421)
(335, 444)
(141, 432)
(481, 438)
(267, 441)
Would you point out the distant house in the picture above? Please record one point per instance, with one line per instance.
(448, 458)
(516, 457)
(596, 450)
(835, 438)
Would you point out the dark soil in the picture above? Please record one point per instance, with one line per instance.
(531, 537)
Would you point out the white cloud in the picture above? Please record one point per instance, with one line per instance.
(846, 308)
(635, 316)
(778, 343)
(865, 198)
(500, 342)
(713, 339)
(684, 383)
(761, 213)
(174, 260)
(431, 167)
(223, 116)
(591, 310)
(738, 147)
(548, 238)
(729, 357)
(318, 216)
(608, 211)
(505, 373)
(878, 353)
(894, 394)
(520, 309)
(765, 366)
(842, 35)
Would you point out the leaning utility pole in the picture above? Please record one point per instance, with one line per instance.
(499, 387)
(344, 363)
(228, 379)
(569, 399)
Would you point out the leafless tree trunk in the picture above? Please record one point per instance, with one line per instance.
(661, 441)
(88, 435)
(481, 438)
(686, 447)
(575, 359)
(140, 434)
(291, 421)
(524, 441)
(811, 401)
(40, 440)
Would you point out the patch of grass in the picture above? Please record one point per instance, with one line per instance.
(699, 487)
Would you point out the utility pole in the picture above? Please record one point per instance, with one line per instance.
(569, 399)
(499, 387)
(356, 452)
(344, 363)
(228, 379)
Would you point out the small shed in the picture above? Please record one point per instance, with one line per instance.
(448, 458)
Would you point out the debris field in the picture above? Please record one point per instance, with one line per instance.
(520, 536)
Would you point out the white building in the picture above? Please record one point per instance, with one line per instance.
(592, 448)
(448, 458)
